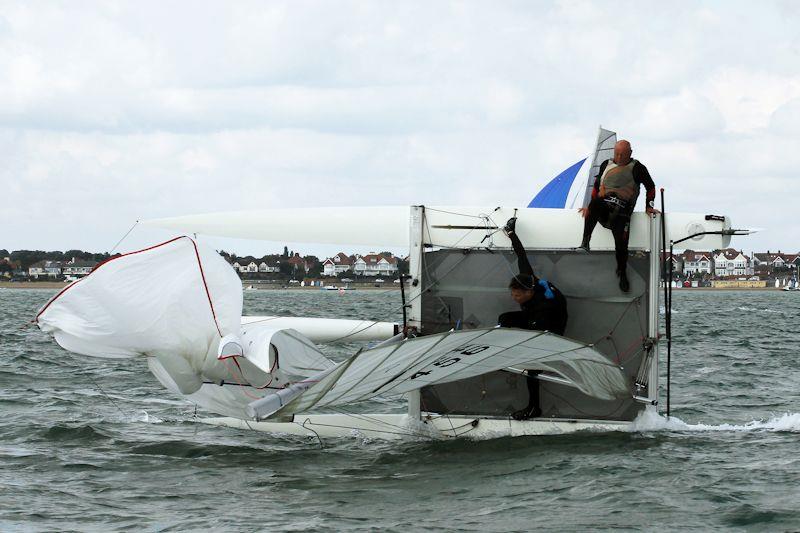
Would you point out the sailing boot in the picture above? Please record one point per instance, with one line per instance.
(531, 411)
(624, 284)
(584, 247)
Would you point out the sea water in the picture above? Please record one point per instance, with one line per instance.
(99, 445)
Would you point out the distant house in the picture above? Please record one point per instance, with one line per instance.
(730, 262)
(769, 262)
(375, 265)
(78, 268)
(272, 266)
(697, 262)
(44, 268)
(677, 262)
(337, 264)
(298, 263)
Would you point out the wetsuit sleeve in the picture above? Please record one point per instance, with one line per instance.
(596, 188)
(642, 177)
(522, 258)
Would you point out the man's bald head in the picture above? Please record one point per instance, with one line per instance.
(622, 152)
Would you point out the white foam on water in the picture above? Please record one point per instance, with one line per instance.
(650, 421)
(145, 417)
(755, 309)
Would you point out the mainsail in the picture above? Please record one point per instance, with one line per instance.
(604, 149)
(441, 358)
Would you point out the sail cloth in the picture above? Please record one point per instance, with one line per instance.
(175, 299)
(441, 358)
(554, 194)
(604, 149)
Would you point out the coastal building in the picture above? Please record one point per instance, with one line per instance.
(769, 262)
(375, 265)
(677, 262)
(269, 267)
(730, 262)
(299, 264)
(44, 268)
(697, 263)
(337, 264)
(77, 268)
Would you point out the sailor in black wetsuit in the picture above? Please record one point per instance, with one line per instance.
(616, 188)
(542, 307)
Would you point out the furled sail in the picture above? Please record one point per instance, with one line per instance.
(411, 364)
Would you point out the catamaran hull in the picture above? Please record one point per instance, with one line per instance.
(400, 426)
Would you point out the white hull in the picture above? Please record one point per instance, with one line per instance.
(325, 330)
(399, 426)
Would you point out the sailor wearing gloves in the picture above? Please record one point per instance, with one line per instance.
(542, 307)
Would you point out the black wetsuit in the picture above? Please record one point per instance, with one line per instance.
(616, 216)
(544, 311)
(547, 310)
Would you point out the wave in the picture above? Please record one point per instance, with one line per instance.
(650, 421)
(755, 309)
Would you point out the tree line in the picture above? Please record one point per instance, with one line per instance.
(25, 258)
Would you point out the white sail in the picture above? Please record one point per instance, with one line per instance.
(176, 297)
(441, 358)
(604, 149)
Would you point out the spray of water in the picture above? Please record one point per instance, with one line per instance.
(650, 420)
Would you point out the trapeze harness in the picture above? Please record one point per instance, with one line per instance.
(619, 190)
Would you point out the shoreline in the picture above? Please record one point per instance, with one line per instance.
(60, 285)
(366, 287)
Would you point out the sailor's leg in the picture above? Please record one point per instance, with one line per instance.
(596, 210)
(533, 409)
(620, 230)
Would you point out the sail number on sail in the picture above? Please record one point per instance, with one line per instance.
(448, 359)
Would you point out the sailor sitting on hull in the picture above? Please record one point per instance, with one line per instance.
(542, 307)
(616, 188)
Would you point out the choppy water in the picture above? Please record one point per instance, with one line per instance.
(72, 458)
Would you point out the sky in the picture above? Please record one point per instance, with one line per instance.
(112, 112)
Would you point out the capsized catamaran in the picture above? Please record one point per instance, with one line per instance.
(179, 306)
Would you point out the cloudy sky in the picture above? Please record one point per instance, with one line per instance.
(112, 112)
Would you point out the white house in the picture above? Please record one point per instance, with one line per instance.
(730, 262)
(78, 268)
(697, 262)
(264, 267)
(337, 264)
(50, 269)
(375, 265)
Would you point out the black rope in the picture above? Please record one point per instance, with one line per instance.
(123, 238)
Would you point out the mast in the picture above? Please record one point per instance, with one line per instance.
(415, 251)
